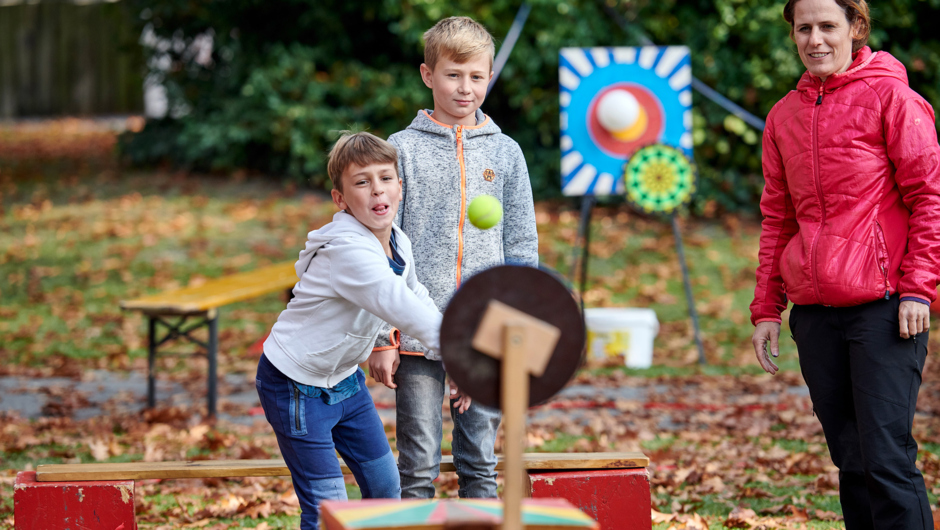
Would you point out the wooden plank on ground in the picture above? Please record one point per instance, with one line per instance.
(273, 468)
(218, 292)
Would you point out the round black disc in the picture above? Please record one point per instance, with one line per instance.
(527, 289)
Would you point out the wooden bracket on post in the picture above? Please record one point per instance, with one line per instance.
(524, 344)
(540, 336)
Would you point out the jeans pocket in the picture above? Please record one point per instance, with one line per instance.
(264, 406)
(298, 418)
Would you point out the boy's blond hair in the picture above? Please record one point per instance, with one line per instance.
(459, 39)
(359, 148)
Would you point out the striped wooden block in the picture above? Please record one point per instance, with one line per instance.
(479, 514)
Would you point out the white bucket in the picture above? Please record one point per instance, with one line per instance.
(626, 331)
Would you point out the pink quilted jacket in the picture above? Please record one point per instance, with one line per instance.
(851, 203)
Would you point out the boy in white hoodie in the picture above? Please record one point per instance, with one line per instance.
(354, 273)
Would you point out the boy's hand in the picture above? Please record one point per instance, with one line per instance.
(459, 400)
(382, 366)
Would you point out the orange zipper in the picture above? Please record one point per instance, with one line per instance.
(463, 200)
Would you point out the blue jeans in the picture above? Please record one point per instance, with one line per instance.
(419, 430)
(310, 432)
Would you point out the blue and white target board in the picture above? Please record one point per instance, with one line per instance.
(615, 101)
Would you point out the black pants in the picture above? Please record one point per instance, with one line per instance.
(863, 379)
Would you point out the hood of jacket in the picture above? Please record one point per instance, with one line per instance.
(865, 64)
(425, 122)
(343, 225)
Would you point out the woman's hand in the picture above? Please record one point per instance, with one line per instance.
(764, 333)
(382, 366)
(914, 317)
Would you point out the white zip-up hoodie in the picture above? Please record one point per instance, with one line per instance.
(346, 290)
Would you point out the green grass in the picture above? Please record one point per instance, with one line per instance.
(65, 266)
(561, 443)
(714, 506)
(69, 254)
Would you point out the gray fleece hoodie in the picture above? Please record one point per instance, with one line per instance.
(443, 168)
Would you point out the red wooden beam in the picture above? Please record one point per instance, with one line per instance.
(618, 499)
(105, 505)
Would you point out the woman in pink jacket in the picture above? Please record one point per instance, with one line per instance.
(851, 236)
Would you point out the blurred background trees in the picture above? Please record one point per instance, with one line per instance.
(280, 77)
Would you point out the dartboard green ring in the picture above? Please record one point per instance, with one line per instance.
(659, 179)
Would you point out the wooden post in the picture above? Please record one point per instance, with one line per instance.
(515, 403)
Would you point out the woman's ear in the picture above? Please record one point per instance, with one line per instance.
(857, 29)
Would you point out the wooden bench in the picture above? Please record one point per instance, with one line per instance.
(277, 467)
(201, 304)
(82, 490)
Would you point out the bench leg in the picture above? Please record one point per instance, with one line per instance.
(213, 354)
(151, 362)
(61, 505)
(618, 499)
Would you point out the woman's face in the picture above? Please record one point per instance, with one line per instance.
(823, 37)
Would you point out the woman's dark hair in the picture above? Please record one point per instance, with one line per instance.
(856, 12)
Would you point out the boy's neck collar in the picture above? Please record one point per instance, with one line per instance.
(385, 239)
(475, 117)
(383, 236)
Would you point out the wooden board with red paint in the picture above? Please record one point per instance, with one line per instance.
(615, 498)
(479, 514)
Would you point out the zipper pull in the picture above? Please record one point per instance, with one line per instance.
(819, 99)
(459, 132)
(887, 295)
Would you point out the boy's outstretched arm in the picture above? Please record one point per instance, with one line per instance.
(384, 361)
(520, 237)
(364, 278)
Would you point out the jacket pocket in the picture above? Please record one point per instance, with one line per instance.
(793, 265)
(881, 249)
(337, 358)
(357, 350)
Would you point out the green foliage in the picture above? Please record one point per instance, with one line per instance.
(286, 74)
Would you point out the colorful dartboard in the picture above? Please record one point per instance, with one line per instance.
(614, 101)
(659, 179)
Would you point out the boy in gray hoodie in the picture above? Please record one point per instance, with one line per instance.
(354, 273)
(446, 158)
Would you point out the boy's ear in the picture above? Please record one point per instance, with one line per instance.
(338, 199)
(426, 76)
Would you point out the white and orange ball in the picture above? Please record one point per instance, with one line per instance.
(621, 115)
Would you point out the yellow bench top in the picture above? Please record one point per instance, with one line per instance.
(276, 467)
(217, 292)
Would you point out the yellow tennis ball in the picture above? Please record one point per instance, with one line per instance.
(484, 212)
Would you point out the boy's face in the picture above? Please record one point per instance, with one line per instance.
(371, 194)
(458, 88)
